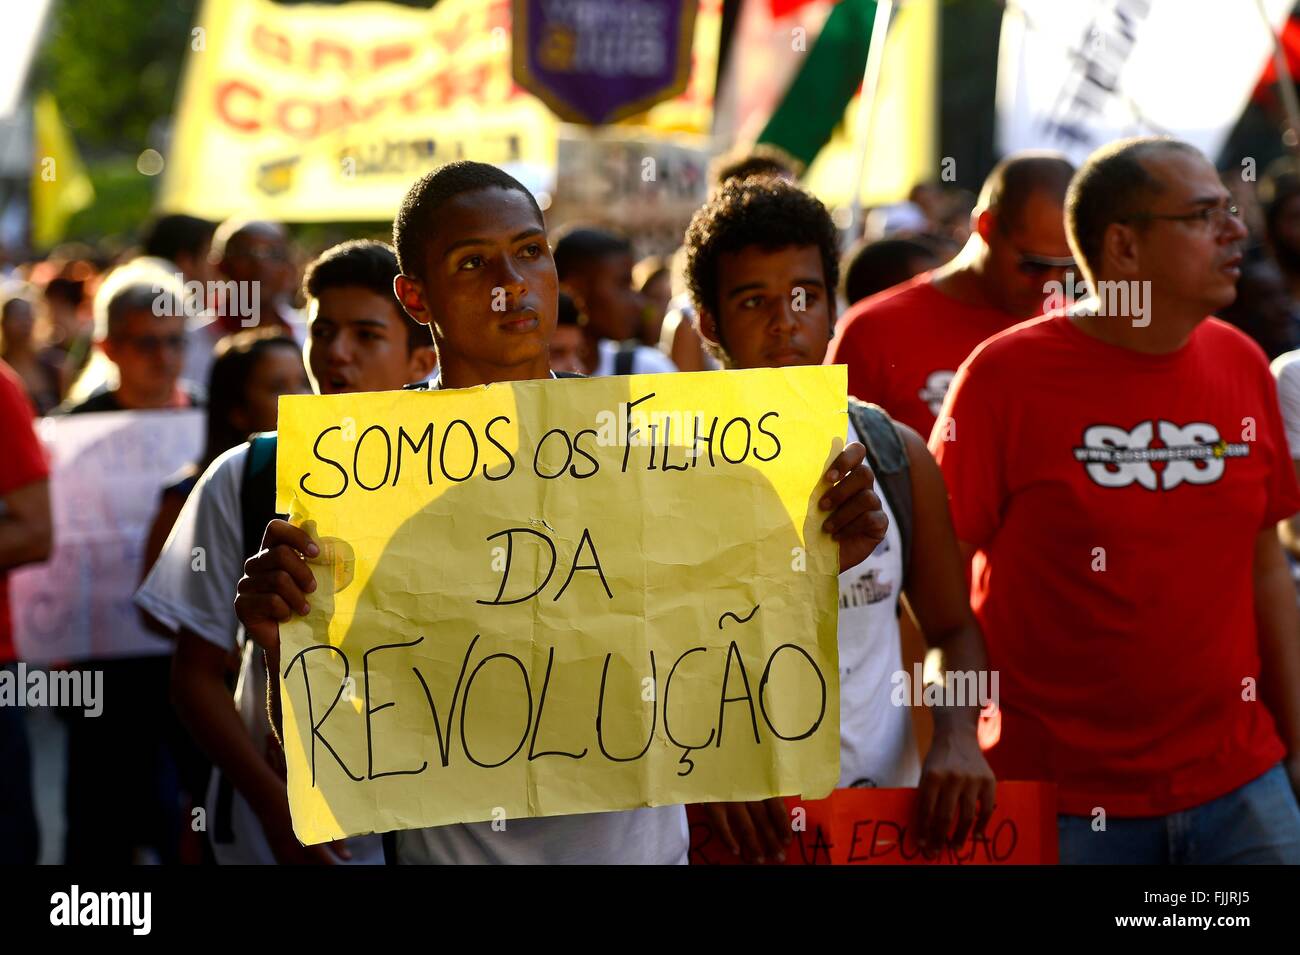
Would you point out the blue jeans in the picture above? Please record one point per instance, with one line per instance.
(1258, 823)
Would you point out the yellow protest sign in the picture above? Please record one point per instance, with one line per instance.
(563, 596)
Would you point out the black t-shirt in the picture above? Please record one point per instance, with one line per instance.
(107, 401)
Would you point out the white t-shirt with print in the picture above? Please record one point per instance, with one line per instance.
(195, 589)
(877, 741)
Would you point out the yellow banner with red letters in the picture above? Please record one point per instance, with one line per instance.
(311, 112)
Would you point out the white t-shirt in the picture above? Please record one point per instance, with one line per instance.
(657, 836)
(192, 585)
(877, 742)
(645, 360)
(1286, 369)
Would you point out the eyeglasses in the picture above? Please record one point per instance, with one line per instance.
(1215, 216)
(1038, 265)
(153, 344)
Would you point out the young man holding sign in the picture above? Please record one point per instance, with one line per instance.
(761, 265)
(476, 268)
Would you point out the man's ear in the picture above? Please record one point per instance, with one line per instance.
(110, 348)
(984, 223)
(410, 292)
(421, 363)
(1119, 249)
(709, 327)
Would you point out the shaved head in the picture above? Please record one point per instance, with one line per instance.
(1015, 179)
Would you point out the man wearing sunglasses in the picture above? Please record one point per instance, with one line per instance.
(140, 328)
(257, 283)
(902, 346)
(1119, 479)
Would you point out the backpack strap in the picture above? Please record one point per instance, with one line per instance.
(256, 510)
(257, 491)
(887, 457)
(625, 356)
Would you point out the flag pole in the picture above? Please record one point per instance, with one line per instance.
(1290, 138)
(866, 106)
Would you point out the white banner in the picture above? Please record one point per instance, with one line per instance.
(106, 472)
(1075, 75)
(18, 40)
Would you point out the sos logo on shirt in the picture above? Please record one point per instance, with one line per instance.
(1158, 455)
(936, 388)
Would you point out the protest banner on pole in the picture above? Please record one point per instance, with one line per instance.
(878, 827)
(553, 597)
(106, 473)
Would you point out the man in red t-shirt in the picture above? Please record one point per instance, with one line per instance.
(1118, 471)
(25, 538)
(902, 346)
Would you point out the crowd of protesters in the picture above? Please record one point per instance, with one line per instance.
(1092, 494)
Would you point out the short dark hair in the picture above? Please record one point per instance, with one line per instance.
(1013, 180)
(762, 159)
(1111, 186)
(872, 267)
(1285, 190)
(235, 359)
(768, 213)
(568, 313)
(11, 301)
(171, 235)
(229, 238)
(415, 221)
(367, 264)
(579, 246)
(71, 291)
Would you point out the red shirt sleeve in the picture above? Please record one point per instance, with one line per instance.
(24, 459)
(965, 442)
(851, 347)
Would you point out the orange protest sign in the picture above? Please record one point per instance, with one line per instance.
(877, 827)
